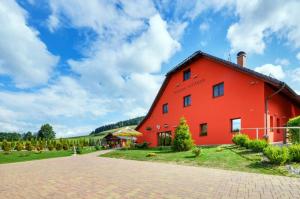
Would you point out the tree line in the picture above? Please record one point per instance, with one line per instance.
(46, 132)
(130, 122)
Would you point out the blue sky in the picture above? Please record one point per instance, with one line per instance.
(80, 64)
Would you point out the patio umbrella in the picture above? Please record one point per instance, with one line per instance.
(127, 132)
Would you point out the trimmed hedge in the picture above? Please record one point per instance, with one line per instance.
(240, 139)
(277, 155)
(295, 152)
(294, 134)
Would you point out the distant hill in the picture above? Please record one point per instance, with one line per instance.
(130, 122)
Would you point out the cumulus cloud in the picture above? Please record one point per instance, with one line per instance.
(260, 20)
(23, 56)
(130, 57)
(65, 99)
(271, 70)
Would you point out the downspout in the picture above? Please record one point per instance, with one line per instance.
(267, 105)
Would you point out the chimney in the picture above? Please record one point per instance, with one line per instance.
(241, 59)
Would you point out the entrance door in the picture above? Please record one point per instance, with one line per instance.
(164, 138)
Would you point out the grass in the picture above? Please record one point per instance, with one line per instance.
(227, 157)
(86, 150)
(20, 156)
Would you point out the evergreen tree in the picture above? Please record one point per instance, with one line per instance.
(183, 139)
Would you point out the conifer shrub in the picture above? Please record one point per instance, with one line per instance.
(6, 146)
(183, 139)
(58, 146)
(50, 147)
(19, 146)
(277, 155)
(65, 146)
(28, 146)
(79, 150)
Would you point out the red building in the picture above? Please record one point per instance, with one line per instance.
(218, 98)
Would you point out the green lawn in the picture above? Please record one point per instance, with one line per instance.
(225, 157)
(20, 156)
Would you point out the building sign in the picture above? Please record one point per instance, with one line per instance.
(190, 85)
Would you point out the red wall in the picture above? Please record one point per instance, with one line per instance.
(281, 109)
(243, 97)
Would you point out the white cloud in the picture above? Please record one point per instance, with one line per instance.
(259, 20)
(295, 75)
(65, 99)
(23, 56)
(117, 63)
(283, 62)
(275, 71)
(298, 56)
(204, 27)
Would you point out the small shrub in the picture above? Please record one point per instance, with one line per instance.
(144, 145)
(65, 146)
(183, 140)
(295, 152)
(240, 139)
(58, 146)
(6, 146)
(79, 150)
(277, 155)
(151, 155)
(294, 134)
(19, 146)
(196, 151)
(98, 147)
(257, 145)
(50, 147)
(28, 146)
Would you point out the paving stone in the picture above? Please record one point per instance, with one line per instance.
(90, 176)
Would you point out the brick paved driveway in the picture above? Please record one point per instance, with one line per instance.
(89, 176)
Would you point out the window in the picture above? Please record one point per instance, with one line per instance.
(165, 108)
(187, 101)
(218, 90)
(236, 125)
(186, 74)
(203, 129)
